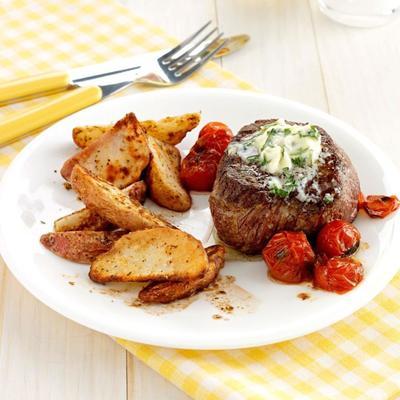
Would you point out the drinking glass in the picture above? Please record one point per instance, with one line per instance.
(361, 13)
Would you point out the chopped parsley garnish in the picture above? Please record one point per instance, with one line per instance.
(273, 131)
(253, 159)
(289, 184)
(299, 158)
(328, 198)
(299, 161)
(300, 151)
(279, 145)
(279, 192)
(266, 144)
(312, 132)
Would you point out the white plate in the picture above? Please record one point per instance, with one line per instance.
(267, 312)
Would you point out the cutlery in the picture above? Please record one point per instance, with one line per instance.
(232, 44)
(88, 85)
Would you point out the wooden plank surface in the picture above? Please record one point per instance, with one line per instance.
(281, 58)
(46, 356)
(179, 18)
(294, 52)
(361, 74)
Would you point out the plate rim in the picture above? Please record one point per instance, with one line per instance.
(256, 339)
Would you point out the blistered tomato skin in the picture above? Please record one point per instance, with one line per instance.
(361, 201)
(198, 170)
(214, 127)
(199, 167)
(381, 206)
(338, 238)
(217, 141)
(289, 257)
(338, 274)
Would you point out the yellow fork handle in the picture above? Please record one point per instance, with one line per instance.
(20, 124)
(33, 85)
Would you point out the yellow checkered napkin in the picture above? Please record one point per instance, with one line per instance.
(358, 358)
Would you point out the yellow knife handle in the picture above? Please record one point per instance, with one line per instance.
(33, 85)
(20, 124)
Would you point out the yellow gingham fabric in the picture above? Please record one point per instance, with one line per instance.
(358, 358)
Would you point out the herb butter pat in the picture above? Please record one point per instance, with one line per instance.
(278, 146)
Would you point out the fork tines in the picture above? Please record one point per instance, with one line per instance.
(192, 53)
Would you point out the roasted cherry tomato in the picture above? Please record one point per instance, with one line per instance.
(199, 167)
(338, 238)
(289, 257)
(213, 127)
(218, 141)
(361, 201)
(198, 170)
(338, 274)
(381, 206)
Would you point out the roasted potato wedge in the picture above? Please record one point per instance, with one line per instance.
(81, 247)
(83, 136)
(165, 292)
(82, 220)
(111, 203)
(89, 220)
(156, 254)
(171, 130)
(119, 156)
(162, 177)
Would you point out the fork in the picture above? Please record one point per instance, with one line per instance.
(88, 85)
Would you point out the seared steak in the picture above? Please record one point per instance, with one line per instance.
(247, 213)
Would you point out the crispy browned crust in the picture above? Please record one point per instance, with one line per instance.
(89, 220)
(246, 214)
(166, 292)
(111, 203)
(157, 254)
(79, 246)
(119, 156)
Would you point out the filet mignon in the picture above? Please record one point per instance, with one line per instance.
(246, 213)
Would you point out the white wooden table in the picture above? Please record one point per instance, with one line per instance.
(295, 52)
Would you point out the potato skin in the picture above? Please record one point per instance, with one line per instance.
(80, 246)
(166, 292)
(137, 191)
